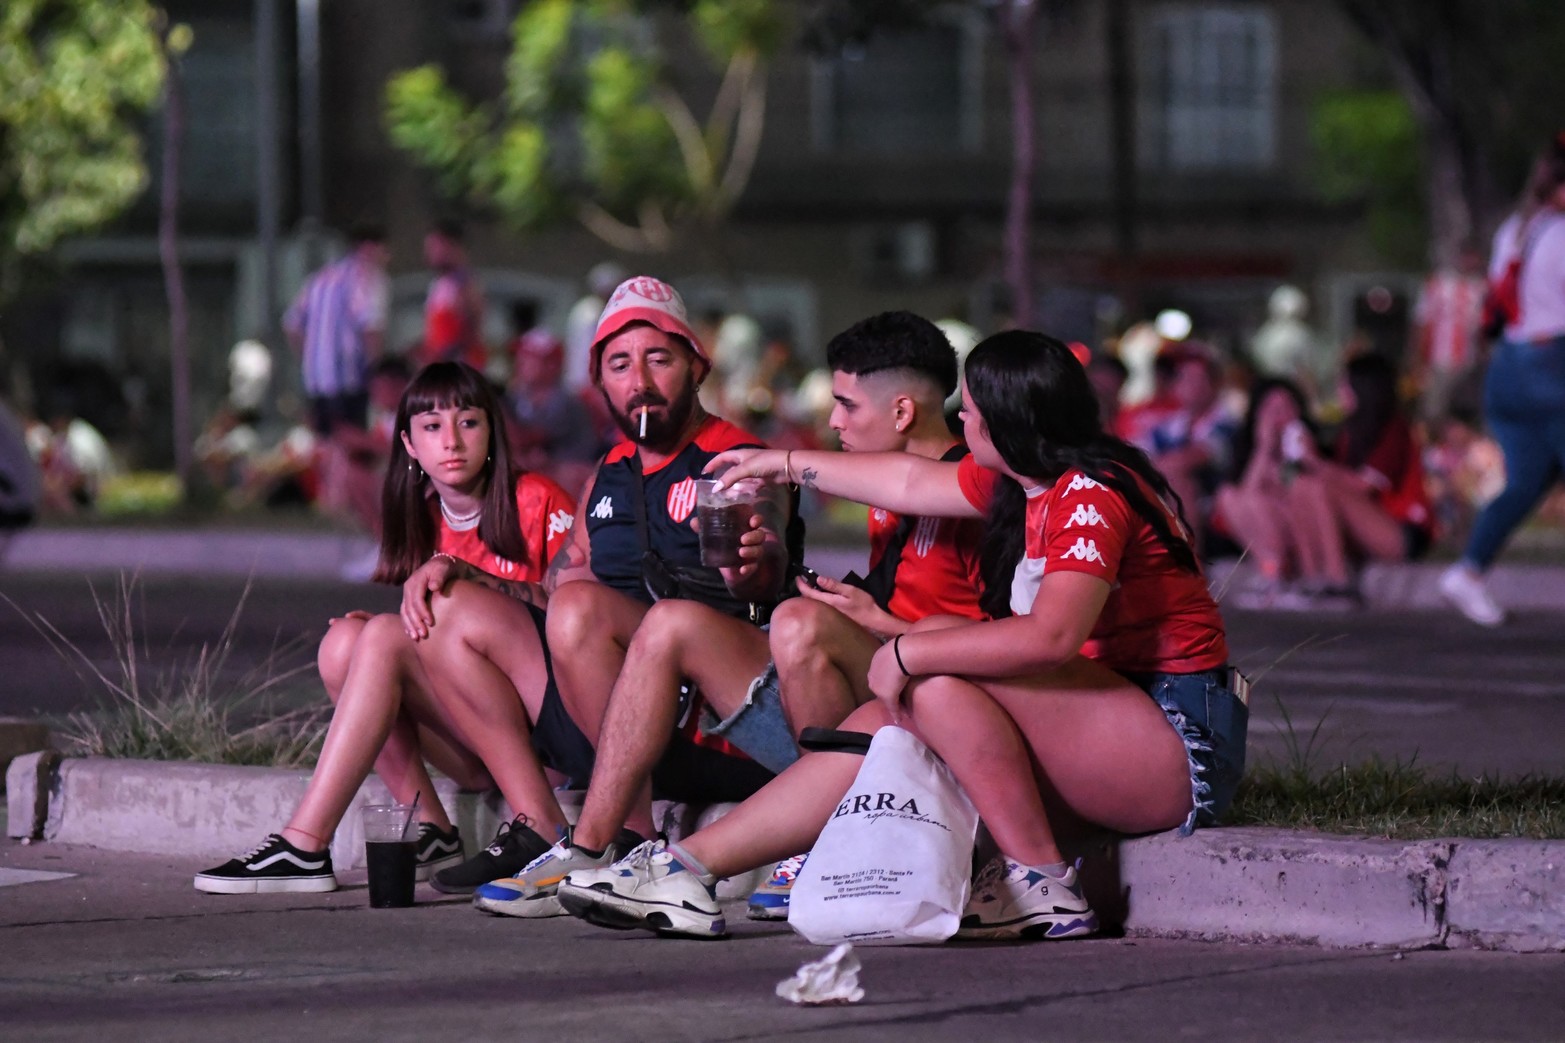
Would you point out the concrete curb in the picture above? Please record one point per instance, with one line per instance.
(1248, 884)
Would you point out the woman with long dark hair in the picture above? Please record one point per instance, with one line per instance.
(1524, 389)
(1102, 696)
(465, 535)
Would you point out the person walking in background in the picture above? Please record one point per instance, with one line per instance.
(1524, 390)
(337, 326)
(454, 309)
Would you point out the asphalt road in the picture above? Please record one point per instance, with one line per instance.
(126, 949)
(1398, 685)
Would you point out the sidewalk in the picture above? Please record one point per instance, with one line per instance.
(1239, 884)
(1529, 585)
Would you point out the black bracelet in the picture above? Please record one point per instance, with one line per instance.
(896, 650)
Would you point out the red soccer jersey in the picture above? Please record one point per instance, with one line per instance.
(1158, 617)
(1395, 468)
(938, 573)
(545, 513)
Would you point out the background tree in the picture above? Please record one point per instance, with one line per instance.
(74, 76)
(1481, 78)
(592, 126)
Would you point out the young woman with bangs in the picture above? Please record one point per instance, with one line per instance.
(469, 539)
(1100, 694)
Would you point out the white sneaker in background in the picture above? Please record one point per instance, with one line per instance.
(1466, 589)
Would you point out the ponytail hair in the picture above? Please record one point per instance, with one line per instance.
(408, 526)
(1041, 415)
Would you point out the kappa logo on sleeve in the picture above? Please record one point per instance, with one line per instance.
(1086, 514)
(560, 523)
(682, 499)
(1079, 482)
(604, 508)
(1084, 550)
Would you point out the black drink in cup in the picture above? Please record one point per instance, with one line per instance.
(720, 529)
(391, 867)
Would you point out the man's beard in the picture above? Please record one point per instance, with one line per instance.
(663, 432)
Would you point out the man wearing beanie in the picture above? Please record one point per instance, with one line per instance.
(634, 544)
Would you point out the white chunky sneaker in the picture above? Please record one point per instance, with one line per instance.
(650, 889)
(1466, 589)
(1012, 900)
(531, 892)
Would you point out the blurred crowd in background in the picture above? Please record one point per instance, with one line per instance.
(1227, 423)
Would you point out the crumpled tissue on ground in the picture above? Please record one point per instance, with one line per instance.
(832, 979)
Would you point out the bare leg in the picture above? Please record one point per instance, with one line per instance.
(589, 629)
(822, 660)
(1256, 521)
(677, 640)
(1318, 530)
(368, 727)
(1369, 529)
(786, 815)
(1072, 733)
(484, 658)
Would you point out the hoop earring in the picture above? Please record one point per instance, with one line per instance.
(415, 470)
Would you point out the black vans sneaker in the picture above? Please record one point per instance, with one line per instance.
(436, 849)
(514, 845)
(275, 866)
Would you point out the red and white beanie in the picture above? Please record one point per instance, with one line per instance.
(645, 299)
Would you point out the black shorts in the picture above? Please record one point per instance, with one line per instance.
(559, 743)
(686, 772)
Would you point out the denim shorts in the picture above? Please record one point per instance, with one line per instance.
(1212, 721)
(758, 727)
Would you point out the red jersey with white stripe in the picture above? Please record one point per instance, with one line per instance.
(938, 573)
(1158, 617)
(545, 513)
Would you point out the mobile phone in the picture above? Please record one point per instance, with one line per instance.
(811, 577)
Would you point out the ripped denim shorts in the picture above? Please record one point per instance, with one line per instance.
(1212, 720)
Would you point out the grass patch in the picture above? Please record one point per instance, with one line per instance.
(1399, 801)
(186, 707)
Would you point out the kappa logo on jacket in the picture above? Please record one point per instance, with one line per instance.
(604, 508)
(1079, 482)
(1086, 514)
(1084, 550)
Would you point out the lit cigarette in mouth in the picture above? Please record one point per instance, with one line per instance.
(643, 421)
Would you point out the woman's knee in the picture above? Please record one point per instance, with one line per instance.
(335, 653)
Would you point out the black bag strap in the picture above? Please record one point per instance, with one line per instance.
(882, 579)
(664, 580)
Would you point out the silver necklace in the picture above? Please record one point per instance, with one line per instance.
(457, 521)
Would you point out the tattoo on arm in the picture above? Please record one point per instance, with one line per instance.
(807, 477)
(566, 559)
(527, 593)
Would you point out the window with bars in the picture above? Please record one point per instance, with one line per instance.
(1212, 88)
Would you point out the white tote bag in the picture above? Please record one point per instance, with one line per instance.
(894, 863)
